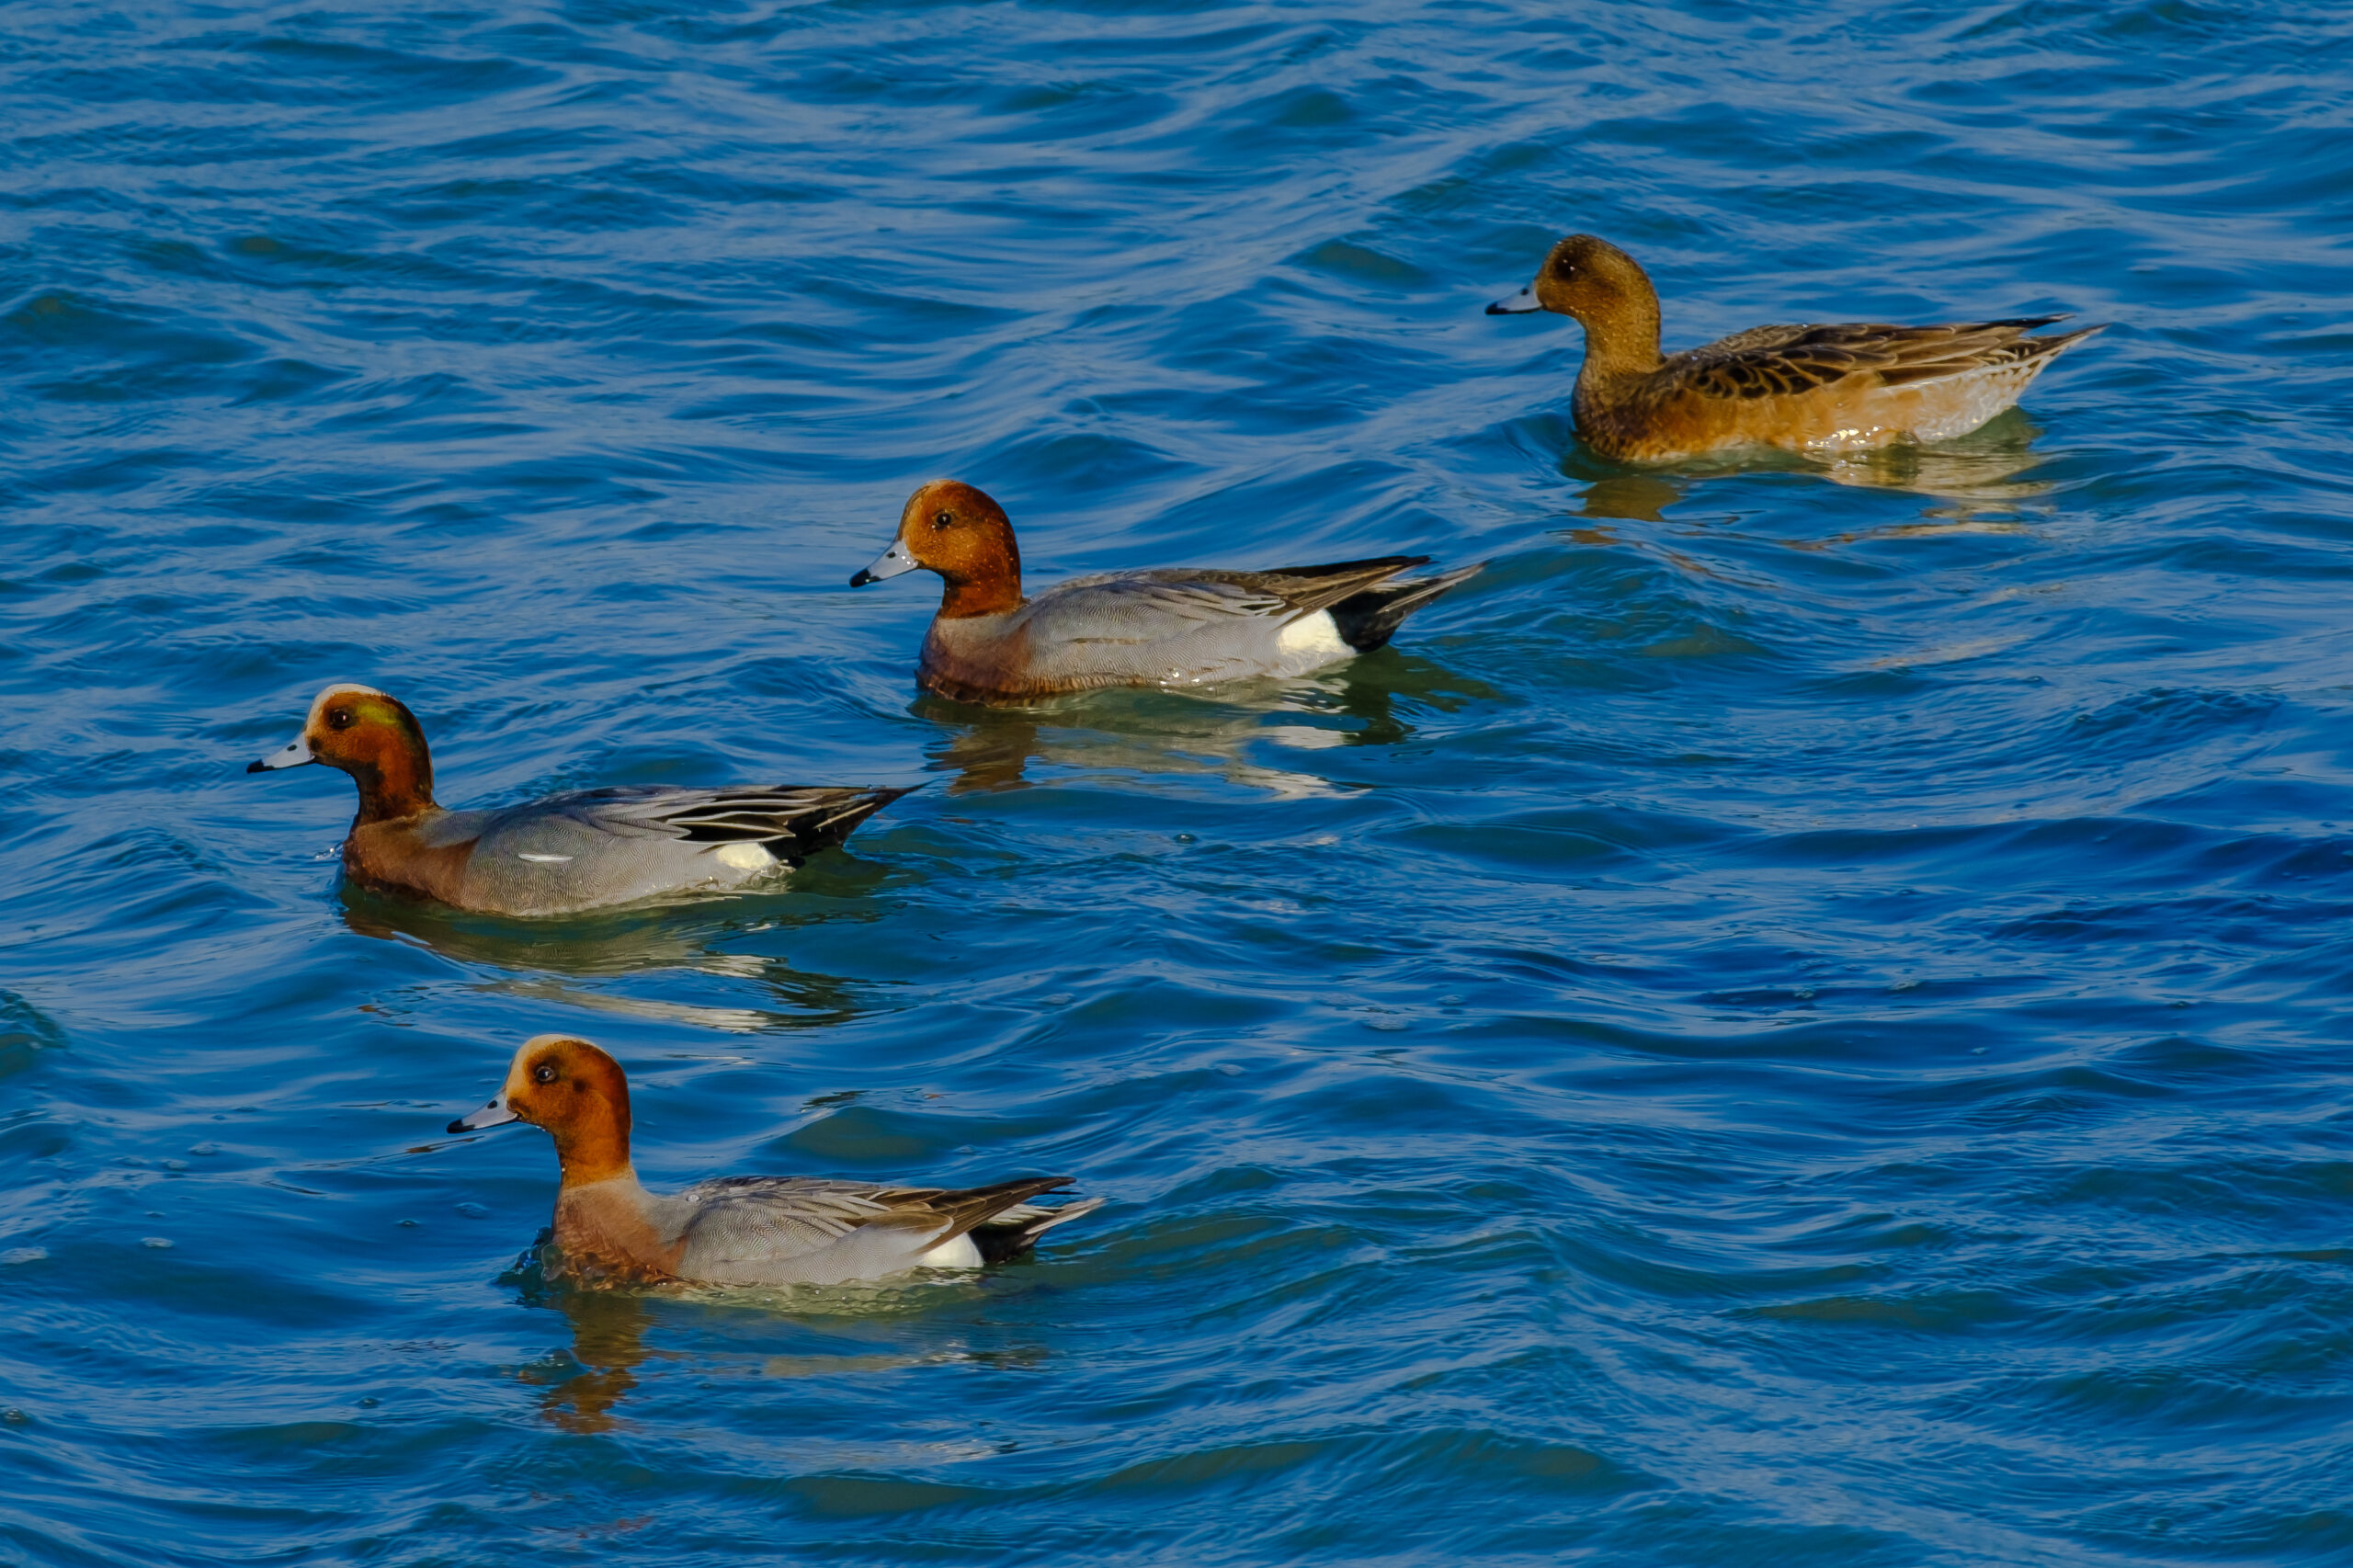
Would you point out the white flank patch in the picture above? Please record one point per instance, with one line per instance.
(961, 1253)
(744, 856)
(545, 859)
(1314, 636)
(1989, 392)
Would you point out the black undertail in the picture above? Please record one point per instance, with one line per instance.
(1366, 621)
(1013, 1229)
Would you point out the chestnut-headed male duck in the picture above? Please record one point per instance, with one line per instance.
(1175, 627)
(563, 853)
(741, 1230)
(1819, 389)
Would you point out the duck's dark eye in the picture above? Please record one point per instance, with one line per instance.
(543, 1073)
(1565, 267)
(944, 519)
(339, 719)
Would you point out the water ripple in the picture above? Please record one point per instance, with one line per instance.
(1798, 1015)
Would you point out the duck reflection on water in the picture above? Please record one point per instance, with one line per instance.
(1980, 474)
(580, 1391)
(608, 1345)
(1371, 702)
(608, 961)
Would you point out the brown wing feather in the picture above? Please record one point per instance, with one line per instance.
(1770, 361)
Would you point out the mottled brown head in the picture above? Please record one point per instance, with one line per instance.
(957, 530)
(1608, 292)
(565, 1085)
(370, 736)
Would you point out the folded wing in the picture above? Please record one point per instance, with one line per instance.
(790, 821)
(1776, 361)
(786, 1229)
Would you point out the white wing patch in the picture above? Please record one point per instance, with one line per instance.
(545, 859)
(744, 856)
(961, 1253)
(1314, 636)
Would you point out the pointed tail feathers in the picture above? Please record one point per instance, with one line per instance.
(1009, 1232)
(1981, 348)
(1368, 619)
(844, 820)
(2060, 342)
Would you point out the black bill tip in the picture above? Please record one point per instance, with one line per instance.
(863, 578)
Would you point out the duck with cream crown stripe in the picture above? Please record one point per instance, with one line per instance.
(1173, 627)
(741, 1230)
(1819, 389)
(560, 854)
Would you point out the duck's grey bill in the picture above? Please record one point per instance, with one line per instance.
(1519, 304)
(494, 1114)
(890, 563)
(293, 754)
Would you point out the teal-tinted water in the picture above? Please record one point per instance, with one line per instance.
(1801, 1017)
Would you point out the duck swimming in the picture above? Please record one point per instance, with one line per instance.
(741, 1230)
(563, 853)
(1175, 627)
(1819, 389)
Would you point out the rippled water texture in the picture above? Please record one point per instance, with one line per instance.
(1801, 1017)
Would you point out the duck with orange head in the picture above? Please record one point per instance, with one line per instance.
(1180, 627)
(740, 1230)
(560, 854)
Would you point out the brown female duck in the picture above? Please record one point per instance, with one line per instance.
(1819, 389)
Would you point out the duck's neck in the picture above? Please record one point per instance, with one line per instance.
(1623, 339)
(593, 1146)
(991, 595)
(393, 785)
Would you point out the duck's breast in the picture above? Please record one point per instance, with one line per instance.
(978, 656)
(427, 854)
(618, 1231)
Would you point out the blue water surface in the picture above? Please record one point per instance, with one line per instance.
(1801, 1018)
